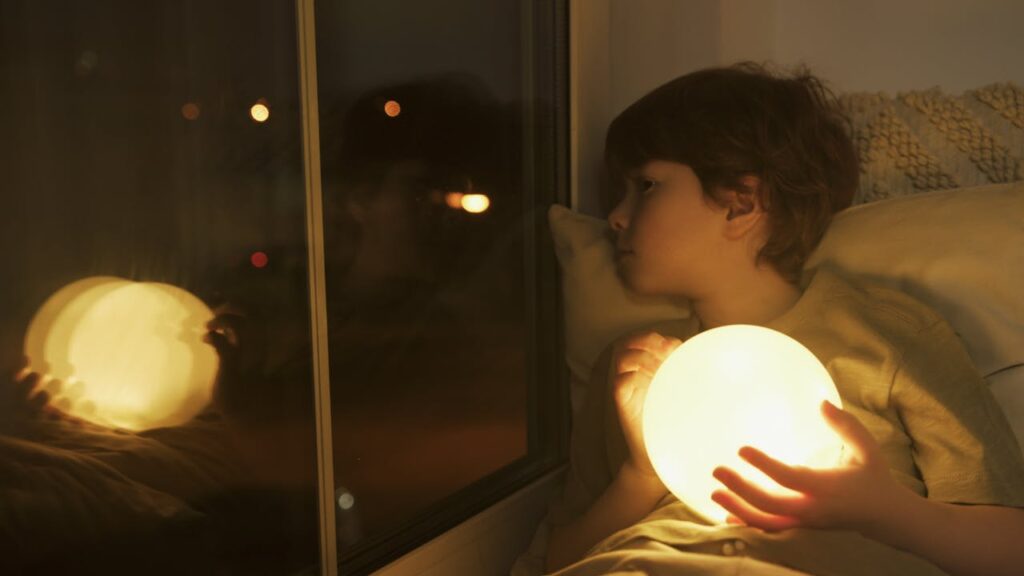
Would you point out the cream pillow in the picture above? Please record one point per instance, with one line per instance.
(598, 307)
(960, 251)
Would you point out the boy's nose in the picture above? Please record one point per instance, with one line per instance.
(618, 218)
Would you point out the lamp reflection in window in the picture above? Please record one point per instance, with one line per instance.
(130, 354)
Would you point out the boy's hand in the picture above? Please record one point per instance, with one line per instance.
(26, 398)
(24, 395)
(855, 495)
(241, 348)
(634, 361)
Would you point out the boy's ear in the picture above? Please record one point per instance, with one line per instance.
(743, 207)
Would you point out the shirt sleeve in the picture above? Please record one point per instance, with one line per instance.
(962, 444)
(597, 445)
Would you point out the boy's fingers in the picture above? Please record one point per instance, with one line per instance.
(22, 372)
(850, 430)
(633, 360)
(652, 342)
(227, 321)
(747, 514)
(28, 385)
(794, 478)
(630, 393)
(38, 400)
(757, 496)
(221, 343)
(26, 379)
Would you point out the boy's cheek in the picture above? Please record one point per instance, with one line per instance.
(631, 272)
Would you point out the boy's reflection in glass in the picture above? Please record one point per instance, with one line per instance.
(424, 297)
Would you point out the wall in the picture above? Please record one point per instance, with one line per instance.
(856, 45)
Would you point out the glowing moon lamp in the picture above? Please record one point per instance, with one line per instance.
(730, 387)
(128, 355)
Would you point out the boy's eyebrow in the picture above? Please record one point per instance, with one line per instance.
(644, 173)
(636, 173)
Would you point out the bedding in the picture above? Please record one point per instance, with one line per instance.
(79, 496)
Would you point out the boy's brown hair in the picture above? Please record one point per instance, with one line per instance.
(727, 123)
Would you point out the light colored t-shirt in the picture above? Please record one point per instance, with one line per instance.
(899, 368)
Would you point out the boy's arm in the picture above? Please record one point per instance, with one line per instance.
(631, 496)
(635, 489)
(862, 495)
(960, 539)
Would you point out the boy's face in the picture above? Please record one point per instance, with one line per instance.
(669, 235)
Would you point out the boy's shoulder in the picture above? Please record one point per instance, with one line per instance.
(871, 300)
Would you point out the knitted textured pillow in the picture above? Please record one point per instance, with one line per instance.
(927, 140)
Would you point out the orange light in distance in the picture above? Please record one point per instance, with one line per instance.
(190, 110)
(392, 108)
(454, 200)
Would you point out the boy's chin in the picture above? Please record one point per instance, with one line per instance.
(632, 281)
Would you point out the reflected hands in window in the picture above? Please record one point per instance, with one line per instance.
(25, 399)
(241, 346)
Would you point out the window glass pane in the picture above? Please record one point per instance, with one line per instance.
(432, 118)
(152, 174)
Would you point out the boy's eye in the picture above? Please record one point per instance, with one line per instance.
(646, 186)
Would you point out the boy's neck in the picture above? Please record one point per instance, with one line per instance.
(757, 296)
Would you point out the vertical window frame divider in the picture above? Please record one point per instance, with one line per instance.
(306, 23)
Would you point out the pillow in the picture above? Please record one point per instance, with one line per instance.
(598, 307)
(924, 140)
(960, 251)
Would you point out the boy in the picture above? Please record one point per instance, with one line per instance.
(731, 179)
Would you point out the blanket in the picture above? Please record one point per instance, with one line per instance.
(79, 497)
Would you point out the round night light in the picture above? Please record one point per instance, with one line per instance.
(730, 387)
(128, 354)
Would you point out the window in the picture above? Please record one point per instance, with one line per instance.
(441, 146)
(152, 145)
(155, 202)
